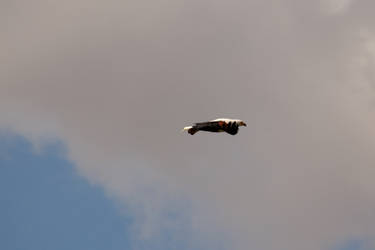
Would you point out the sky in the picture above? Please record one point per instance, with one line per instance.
(46, 205)
(114, 82)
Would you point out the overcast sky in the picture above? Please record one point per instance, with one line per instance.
(115, 81)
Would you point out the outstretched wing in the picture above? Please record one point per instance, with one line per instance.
(214, 126)
(217, 126)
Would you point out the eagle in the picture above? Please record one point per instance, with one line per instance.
(218, 125)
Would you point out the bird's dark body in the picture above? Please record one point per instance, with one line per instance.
(217, 126)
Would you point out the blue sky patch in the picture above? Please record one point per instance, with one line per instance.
(45, 205)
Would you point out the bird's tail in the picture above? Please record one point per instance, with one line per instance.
(191, 130)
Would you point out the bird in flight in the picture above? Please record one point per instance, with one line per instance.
(218, 125)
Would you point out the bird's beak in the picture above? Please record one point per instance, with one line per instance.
(243, 124)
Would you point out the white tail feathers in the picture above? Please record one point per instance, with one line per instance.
(186, 128)
(191, 130)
